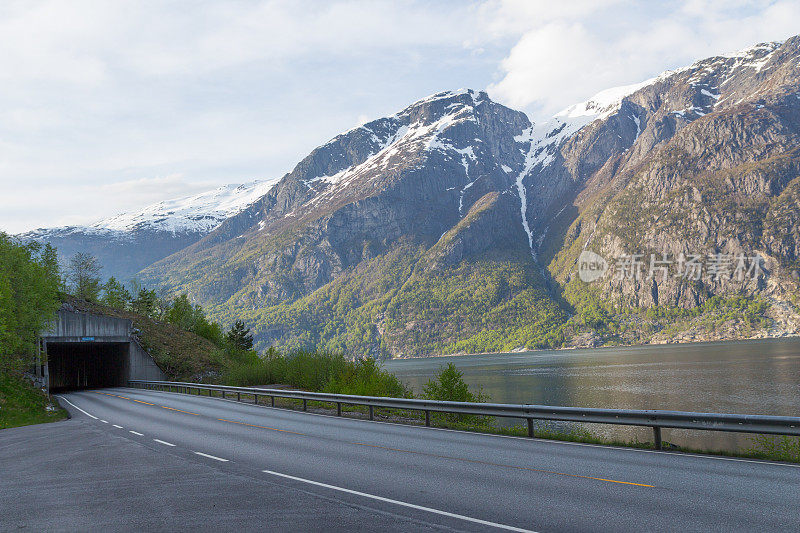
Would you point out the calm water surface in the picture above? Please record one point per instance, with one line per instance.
(744, 377)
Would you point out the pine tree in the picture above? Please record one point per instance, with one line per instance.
(146, 303)
(239, 336)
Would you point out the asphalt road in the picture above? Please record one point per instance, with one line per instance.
(143, 460)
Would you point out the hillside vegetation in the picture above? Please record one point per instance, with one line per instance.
(22, 405)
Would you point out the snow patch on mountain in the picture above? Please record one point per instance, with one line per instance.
(755, 57)
(199, 213)
(408, 138)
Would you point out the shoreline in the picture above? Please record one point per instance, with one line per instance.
(604, 347)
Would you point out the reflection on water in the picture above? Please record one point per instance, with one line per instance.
(744, 377)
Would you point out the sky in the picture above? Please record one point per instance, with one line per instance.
(108, 106)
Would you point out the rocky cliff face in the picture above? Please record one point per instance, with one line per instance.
(712, 172)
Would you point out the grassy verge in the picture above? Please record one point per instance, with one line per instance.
(22, 405)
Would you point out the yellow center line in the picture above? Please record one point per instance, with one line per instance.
(173, 409)
(476, 461)
(262, 427)
(146, 403)
(114, 395)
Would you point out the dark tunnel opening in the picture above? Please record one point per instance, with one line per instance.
(92, 365)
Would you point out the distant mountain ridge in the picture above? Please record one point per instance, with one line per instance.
(455, 225)
(128, 242)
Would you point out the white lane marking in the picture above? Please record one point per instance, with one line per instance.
(403, 504)
(136, 433)
(212, 457)
(76, 407)
(165, 443)
(116, 426)
(104, 422)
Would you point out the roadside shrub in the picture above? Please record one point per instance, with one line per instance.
(779, 448)
(314, 371)
(449, 385)
(365, 377)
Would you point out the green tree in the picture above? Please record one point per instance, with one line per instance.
(449, 385)
(203, 327)
(239, 336)
(83, 275)
(182, 313)
(28, 299)
(49, 260)
(192, 318)
(145, 303)
(115, 294)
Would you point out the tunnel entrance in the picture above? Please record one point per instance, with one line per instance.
(90, 351)
(88, 365)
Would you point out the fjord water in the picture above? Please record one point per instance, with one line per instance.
(742, 377)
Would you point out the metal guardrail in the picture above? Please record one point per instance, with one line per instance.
(773, 425)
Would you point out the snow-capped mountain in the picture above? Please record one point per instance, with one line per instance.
(126, 243)
(200, 213)
(456, 222)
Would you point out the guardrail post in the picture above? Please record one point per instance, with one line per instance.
(305, 406)
(338, 408)
(657, 438)
(427, 418)
(272, 400)
(255, 399)
(371, 413)
(238, 396)
(530, 427)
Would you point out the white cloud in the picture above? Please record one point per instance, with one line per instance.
(568, 54)
(149, 190)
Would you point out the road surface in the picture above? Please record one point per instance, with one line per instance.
(134, 459)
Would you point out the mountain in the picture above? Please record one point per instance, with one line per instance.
(373, 230)
(457, 225)
(126, 243)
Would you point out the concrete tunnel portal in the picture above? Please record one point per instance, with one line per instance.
(88, 351)
(87, 365)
